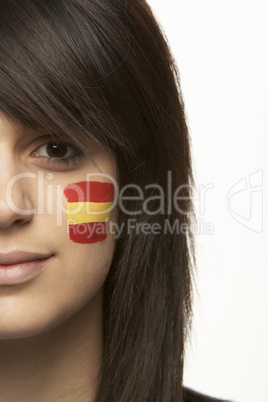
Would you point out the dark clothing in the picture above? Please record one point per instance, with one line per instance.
(194, 396)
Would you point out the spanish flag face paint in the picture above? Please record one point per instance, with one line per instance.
(88, 210)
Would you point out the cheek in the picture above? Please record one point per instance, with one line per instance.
(86, 268)
(88, 210)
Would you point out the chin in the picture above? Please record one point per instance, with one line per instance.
(20, 329)
(27, 325)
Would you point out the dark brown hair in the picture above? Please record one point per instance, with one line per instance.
(100, 72)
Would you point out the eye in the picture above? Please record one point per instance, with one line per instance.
(55, 149)
(57, 154)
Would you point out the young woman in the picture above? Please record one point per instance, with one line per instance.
(96, 249)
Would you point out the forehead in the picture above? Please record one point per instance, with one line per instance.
(11, 127)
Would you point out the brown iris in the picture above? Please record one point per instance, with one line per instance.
(56, 149)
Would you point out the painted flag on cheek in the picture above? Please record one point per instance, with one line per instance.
(88, 210)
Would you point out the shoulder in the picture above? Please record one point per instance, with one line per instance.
(193, 396)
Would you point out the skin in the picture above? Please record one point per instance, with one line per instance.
(51, 326)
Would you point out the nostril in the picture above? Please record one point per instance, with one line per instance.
(22, 222)
(9, 217)
(16, 206)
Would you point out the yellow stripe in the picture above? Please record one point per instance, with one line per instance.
(77, 207)
(84, 212)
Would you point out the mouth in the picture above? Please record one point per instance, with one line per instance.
(21, 266)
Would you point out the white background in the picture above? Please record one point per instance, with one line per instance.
(221, 48)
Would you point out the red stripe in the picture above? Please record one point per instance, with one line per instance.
(86, 233)
(89, 191)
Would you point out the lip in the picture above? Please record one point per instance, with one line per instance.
(21, 266)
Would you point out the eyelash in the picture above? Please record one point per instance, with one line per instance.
(71, 159)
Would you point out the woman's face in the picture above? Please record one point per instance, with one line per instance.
(66, 272)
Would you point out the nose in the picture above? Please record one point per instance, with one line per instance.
(16, 207)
